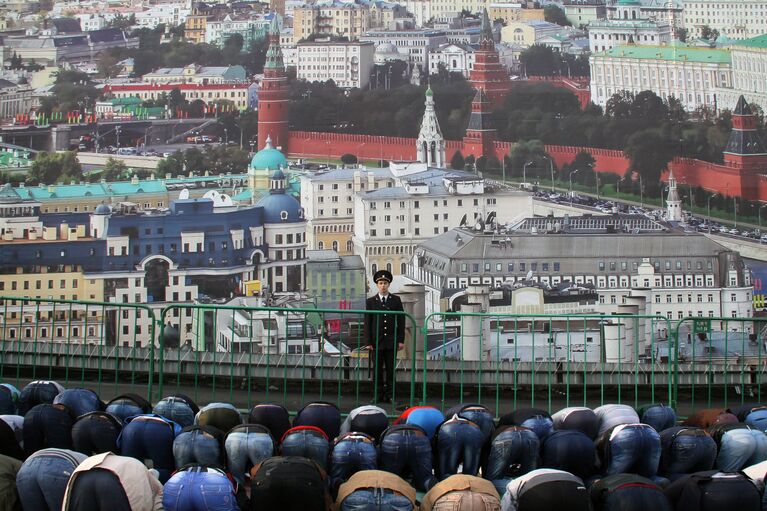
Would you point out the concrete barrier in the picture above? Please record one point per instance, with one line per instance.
(136, 162)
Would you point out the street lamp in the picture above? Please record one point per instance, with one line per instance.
(641, 192)
(759, 214)
(708, 209)
(571, 185)
(735, 210)
(551, 169)
(359, 158)
(524, 173)
(117, 131)
(226, 136)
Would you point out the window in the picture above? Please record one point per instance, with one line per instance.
(464, 267)
(499, 267)
(522, 266)
(487, 266)
(545, 266)
(733, 298)
(601, 266)
(533, 266)
(475, 267)
(510, 267)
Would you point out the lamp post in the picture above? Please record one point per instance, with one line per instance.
(226, 136)
(759, 214)
(708, 209)
(117, 131)
(641, 192)
(359, 158)
(735, 210)
(551, 169)
(524, 173)
(571, 185)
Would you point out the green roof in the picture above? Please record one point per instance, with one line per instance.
(755, 42)
(673, 53)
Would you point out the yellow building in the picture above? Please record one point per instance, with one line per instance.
(512, 12)
(347, 20)
(194, 27)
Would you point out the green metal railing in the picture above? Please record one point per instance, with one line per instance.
(245, 355)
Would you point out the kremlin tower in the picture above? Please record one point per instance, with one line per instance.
(273, 95)
(480, 134)
(746, 152)
(488, 73)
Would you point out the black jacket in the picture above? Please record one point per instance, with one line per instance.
(387, 329)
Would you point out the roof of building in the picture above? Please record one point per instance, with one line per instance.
(671, 53)
(67, 25)
(275, 204)
(200, 71)
(268, 158)
(9, 195)
(616, 23)
(755, 42)
(319, 256)
(742, 107)
(106, 35)
(348, 173)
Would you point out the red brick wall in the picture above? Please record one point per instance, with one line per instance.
(309, 144)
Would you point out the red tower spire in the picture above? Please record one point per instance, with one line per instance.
(488, 73)
(273, 95)
(480, 134)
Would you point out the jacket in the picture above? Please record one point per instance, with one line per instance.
(384, 331)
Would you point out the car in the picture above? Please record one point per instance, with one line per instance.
(127, 151)
(166, 154)
(734, 231)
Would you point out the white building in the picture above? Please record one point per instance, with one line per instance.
(690, 74)
(170, 15)
(348, 64)
(250, 27)
(749, 67)
(201, 75)
(414, 45)
(736, 19)
(456, 58)
(627, 27)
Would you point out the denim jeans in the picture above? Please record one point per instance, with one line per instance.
(614, 415)
(376, 499)
(272, 416)
(325, 416)
(690, 450)
(223, 416)
(540, 425)
(149, 437)
(570, 450)
(199, 489)
(659, 416)
(351, 453)
(427, 418)
(513, 452)
(635, 448)
(124, 406)
(9, 399)
(458, 441)
(176, 409)
(308, 442)
(197, 446)
(760, 448)
(246, 446)
(47, 425)
(577, 417)
(757, 419)
(477, 414)
(736, 447)
(42, 479)
(38, 392)
(96, 432)
(79, 401)
(406, 449)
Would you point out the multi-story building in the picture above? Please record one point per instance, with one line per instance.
(527, 33)
(17, 99)
(347, 19)
(242, 95)
(456, 58)
(336, 281)
(412, 45)
(658, 10)
(196, 26)
(201, 75)
(348, 64)
(582, 12)
(170, 15)
(627, 27)
(54, 50)
(749, 66)
(123, 254)
(736, 19)
(692, 75)
(251, 27)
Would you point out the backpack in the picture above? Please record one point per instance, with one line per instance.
(628, 492)
(289, 483)
(714, 491)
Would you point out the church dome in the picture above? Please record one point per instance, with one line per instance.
(268, 158)
(281, 208)
(102, 209)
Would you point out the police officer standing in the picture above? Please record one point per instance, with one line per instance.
(385, 334)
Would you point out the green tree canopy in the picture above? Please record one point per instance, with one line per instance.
(554, 14)
(50, 168)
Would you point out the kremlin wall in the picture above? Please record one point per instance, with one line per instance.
(741, 175)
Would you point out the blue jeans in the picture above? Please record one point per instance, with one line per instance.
(325, 416)
(80, 401)
(96, 432)
(47, 425)
(541, 426)
(634, 449)
(9, 399)
(352, 453)
(407, 449)
(150, 438)
(757, 419)
(760, 448)
(199, 489)
(199, 447)
(123, 407)
(513, 452)
(38, 392)
(458, 441)
(690, 450)
(42, 479)
(176, 409)
(477, 414)
(736, 447)
(223, 416)
(308, 443)
(247, 446)
(376, 499)
(570, 450)
(659, 416)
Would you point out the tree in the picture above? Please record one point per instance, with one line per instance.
(457, 162)
(348, 159)
(176, 99)
(709, 33)
(48, 168)
(114, 169)
(72, 90)
(108, 65)
(681, 34)
(16, 62)
(540, 60)
(553, 14)
(649, 153)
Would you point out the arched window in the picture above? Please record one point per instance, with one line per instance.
(388, 267)
(374, 268)
(349, 246)
(320, 245)
(284, 215)
(335, 245)
(402, 268)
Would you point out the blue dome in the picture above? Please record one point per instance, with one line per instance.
(102, 209)
(268, 158)
(280, 208)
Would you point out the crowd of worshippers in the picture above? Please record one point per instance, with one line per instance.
(66, 449)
